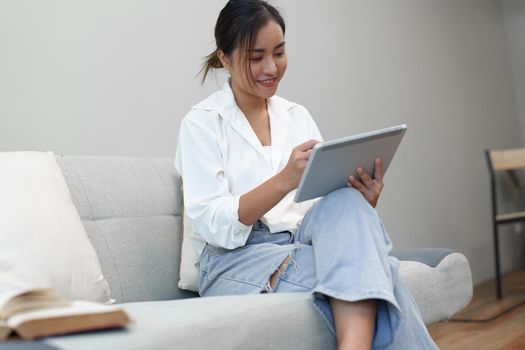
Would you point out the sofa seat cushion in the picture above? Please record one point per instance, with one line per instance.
(264, 321)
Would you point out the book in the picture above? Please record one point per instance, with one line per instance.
(37, 313)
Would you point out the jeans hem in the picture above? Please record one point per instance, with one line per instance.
(320, 293)
(363, 295)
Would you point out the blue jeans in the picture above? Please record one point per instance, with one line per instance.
(340, 251)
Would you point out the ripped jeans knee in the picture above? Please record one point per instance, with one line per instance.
(275, 276)
(283, 270)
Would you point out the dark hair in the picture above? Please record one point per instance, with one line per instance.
(237, 27)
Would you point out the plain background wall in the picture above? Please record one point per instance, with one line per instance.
(514, 21)
(513, 12)
(115, 78)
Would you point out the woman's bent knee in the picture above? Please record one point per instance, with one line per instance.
(346, 196)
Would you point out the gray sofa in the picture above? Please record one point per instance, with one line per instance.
(131, 209)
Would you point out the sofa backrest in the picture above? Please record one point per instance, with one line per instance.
(131, 209)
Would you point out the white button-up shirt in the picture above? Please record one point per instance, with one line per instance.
(220, 158)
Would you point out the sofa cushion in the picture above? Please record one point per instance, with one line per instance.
(43, 242)
(138, 255)
(264, 321)
(189, 273)
(131, 209)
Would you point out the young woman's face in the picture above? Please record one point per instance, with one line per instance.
(267, 63)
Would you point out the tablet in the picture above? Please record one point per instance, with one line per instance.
(332, 162)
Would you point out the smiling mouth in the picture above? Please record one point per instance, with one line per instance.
(267, 82)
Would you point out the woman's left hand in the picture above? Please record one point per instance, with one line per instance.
(370, 188)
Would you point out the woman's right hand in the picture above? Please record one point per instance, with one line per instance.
(292, 172)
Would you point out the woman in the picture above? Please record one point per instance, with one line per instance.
(241, 153)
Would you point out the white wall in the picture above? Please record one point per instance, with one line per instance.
(514, 24)
(513, 12)
(116, 77)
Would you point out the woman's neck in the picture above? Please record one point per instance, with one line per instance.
(250, 105)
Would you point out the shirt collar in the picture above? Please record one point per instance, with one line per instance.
(223, 102)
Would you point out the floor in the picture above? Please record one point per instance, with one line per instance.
(487, 323)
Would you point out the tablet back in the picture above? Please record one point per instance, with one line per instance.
(332, 162)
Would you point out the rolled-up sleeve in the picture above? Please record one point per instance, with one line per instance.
(208, 202)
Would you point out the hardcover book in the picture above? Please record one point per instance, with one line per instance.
(37, 313)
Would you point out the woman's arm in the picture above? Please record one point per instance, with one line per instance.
(208, 201)
(254, 204)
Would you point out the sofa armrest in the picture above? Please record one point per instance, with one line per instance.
(428, 256)
(439, 279)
